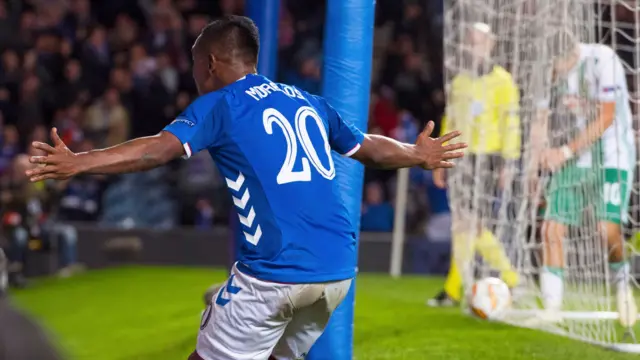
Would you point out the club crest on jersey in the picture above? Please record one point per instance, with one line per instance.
(477, 108)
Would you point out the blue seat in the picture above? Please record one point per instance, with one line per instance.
(140, 200)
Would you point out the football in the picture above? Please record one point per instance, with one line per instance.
(490, 297)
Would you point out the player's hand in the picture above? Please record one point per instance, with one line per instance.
(440, 178)
(434, 151)
(552, 159)
(60, 163)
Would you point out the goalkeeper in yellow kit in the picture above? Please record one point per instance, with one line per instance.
(483, 104)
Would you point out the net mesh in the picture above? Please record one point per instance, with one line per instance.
(493, 191)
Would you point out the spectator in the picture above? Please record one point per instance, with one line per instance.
(394, 61)
(38, 133)
(31, 108)
(107, 122)
(78, 21)
(204, 215)
(411, 84)
(414, 22)
(306, 73)
(182, 101)
(26, 31)
(165, 24)
(377, 214)
(6, 27)
(125, 33)
(28, 225)
(31, 66)
(11, 71)
(68, 123)
(49, 57)
(120, 79)
(73, 88)
(438, 226)
(286, 30)
(96, 60)
(79, 197)
(385, 114)
(66, 49)
(9, 148)
(7, 107)
(21, 217)
(142, 66)
(406, 129)
(167, 73)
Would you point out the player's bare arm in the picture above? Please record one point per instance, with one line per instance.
(595, 130)
(428, 153)
(553, 159)
(135, 155)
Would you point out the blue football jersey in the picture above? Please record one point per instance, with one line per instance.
(272, 143)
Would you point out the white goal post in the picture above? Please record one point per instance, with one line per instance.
(521, 31)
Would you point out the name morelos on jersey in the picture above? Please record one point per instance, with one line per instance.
(273, 144)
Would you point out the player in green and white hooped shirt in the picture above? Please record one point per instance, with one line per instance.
(592, 166)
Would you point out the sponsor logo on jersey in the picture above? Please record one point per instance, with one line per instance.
(610, 89)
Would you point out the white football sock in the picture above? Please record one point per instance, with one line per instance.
(621, 274)
(552, 288)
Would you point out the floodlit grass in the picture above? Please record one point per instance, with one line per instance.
(153, 313)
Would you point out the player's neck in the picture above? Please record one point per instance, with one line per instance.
(237, 72)
(483, 66)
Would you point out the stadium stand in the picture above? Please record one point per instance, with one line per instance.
(103, 71)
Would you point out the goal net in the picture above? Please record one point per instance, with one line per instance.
(548, 217)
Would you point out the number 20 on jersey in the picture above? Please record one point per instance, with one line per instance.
(272, 116)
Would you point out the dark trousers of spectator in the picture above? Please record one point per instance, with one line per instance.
(66, 237)
(16, 255)
(63, 235)
(18, 245)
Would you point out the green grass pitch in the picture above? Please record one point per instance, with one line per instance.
(153, 313)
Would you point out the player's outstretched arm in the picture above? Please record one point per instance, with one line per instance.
(135, 155)
(428, 153)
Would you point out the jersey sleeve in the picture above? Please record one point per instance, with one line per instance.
(199, 126)
(611, 77)
(344, 137)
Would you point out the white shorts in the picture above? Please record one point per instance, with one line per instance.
(251, 319)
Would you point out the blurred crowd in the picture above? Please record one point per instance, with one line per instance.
(102, 72)
(407, 91)
(105, 71)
